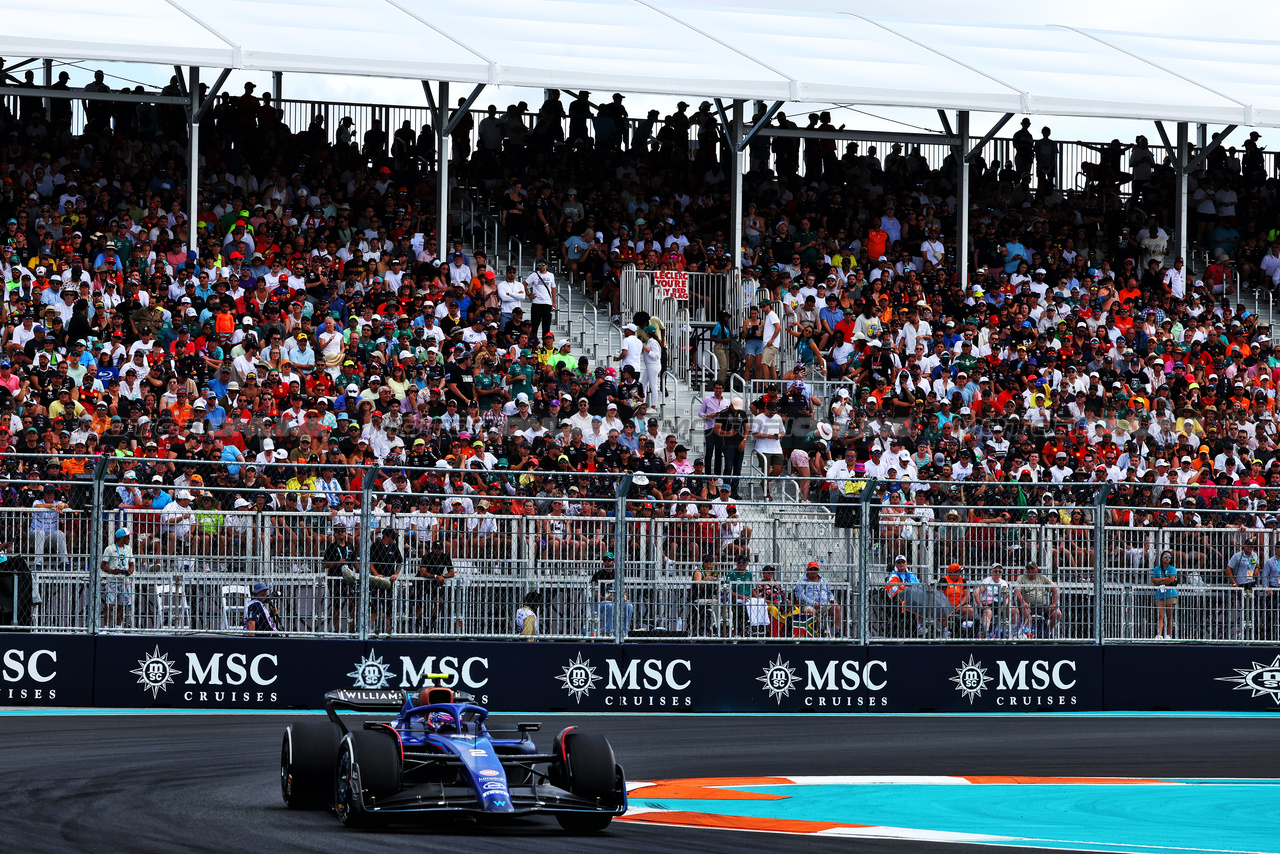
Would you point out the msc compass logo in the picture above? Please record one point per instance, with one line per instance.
(971, 679)
(1261, 679)
(371, 673)
(578, 677)
(778, 679)
(155, 672)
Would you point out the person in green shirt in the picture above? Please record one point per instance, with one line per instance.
(520, 375)
(564, 359)
(739, 582)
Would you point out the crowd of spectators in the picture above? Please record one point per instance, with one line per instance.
(314, 322)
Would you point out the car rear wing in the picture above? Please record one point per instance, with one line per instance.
(388, 701)
(360, 700)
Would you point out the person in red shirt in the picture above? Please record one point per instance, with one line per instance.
(877, 242)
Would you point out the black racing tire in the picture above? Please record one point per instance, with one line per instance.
(579, 822)
(307, 757)
(376, 754)
(590, 765)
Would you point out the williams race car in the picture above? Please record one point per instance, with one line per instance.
(438, 756)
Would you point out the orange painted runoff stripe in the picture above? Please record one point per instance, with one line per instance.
(708, 788)
(736, 822)
(1062, 781)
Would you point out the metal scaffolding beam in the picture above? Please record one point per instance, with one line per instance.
(867, 135)
(78, 95)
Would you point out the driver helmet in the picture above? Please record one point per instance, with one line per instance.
(439, 720)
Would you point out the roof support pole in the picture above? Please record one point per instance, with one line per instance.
(193, 163)
(734, 133)
(1181, 154)
(442, 172)
(48, 81)
(446, 122)
(962, 199)
(734, 302)
(277, 89)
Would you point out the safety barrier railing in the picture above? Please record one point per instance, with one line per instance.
(378, 558)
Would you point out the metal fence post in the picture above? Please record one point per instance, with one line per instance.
(97, 519)
(1099, 558)
(366, 533)
(620, 562)
(864, 560)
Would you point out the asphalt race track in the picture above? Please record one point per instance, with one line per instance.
(160, 783)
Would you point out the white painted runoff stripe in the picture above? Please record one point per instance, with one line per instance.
(891, 780)
(913, 834)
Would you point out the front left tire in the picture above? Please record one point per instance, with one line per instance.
(368, 767)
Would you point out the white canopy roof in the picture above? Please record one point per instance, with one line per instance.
(844, 53)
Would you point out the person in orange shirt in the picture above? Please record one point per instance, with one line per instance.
(224, 323)
(180, 412)
(101, 417)
(957, 593)
(1124, 319)
(877, 242)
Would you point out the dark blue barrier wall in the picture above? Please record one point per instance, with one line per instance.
(265, 673)
(46, 670)
(1195, 678)
(219, 672)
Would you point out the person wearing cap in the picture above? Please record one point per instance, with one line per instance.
(956, 589)
(993, 603)
(46, 528)
(899, 581)
(260, 616)
(511, 293)
(771, 328)
(118, 564)
(786, 619)
(1242, 573)
(815, 592)
(385, 561)
(1037, 598)
(604, 586)
(541, 288)
(178, 520)
(434, 570)
(339, 562)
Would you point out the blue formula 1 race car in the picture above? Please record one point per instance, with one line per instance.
(438, 756)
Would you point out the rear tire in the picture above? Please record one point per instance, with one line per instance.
(307, 757)
(375, 755)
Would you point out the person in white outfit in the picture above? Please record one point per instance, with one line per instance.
(541, 286)
(651, 379)
(632, 354)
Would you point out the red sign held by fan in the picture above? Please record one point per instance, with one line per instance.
(674, 283)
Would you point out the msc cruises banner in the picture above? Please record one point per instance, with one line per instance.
(274, 673)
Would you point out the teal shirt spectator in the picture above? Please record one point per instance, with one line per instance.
(575, 247)
(1017, 252)
(1164, 577)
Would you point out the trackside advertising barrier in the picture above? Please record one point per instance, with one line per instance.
(130, 671)
(46, 670)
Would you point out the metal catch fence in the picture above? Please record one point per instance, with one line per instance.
(378, 563)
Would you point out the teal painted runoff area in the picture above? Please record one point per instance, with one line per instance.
(1203, 816)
